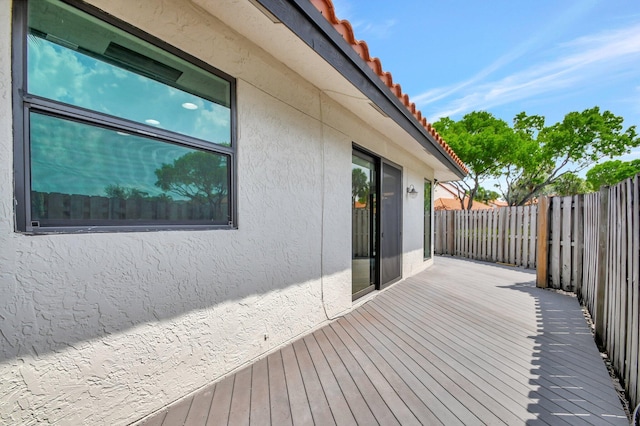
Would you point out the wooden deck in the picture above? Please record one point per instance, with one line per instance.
(464, 343)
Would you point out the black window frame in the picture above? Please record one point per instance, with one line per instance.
(23, 104)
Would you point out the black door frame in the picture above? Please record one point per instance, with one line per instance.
(380, 162)
(383, 214)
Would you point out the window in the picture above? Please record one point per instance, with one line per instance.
(114, 132)
(427, 219)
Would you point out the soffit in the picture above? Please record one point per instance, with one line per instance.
(283, 44)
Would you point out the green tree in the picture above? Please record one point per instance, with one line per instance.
(570, 146)
(124, 193)
(485, 144)
(568, 184)
(485, 195)
(359, 186)
(611, 172)
(199, 176)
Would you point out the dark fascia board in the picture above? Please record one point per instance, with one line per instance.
(304, 20)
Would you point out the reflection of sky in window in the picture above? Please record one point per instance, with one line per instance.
(74, 158)
(68, 76)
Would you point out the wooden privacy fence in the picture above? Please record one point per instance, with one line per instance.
(506, 235)
(603, 268)
(587, 244)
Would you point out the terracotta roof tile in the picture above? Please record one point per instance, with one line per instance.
(345, 29)
(454, 204)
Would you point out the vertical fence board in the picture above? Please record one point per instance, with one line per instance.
(555, 241)
(542, 273)
(621, 282)
(578, 236)
(494, 235)
(565, 245)
(600, 313)
(500, 238)
(533, 232)
(634, 383)
(518, 237)
(437, 233)
(628, 284)
(485, 235)
(512, 236)
(612, 271)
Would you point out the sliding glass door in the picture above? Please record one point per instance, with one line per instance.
(364, 176)
(390, 224)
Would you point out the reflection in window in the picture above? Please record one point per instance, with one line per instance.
(71, 62)
(92, 173)
(94, 99)
(363, 202)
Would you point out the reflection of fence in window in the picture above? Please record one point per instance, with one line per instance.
(57, 206)
(361, 232)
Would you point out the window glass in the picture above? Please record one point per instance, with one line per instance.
(90, 155)
(79, 60)
(363, 221)
(85, 172)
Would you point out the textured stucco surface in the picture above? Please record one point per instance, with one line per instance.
(105, 328)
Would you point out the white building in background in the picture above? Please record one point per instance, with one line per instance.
(176, 195)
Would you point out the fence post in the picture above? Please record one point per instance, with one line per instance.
(451, 232)
(601, 282)
(542, 263)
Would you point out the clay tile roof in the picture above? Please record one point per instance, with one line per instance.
(454, 204)
(346, 30)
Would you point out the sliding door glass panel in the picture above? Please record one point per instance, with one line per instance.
(363, 205)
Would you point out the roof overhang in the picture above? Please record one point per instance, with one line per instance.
(297, 34)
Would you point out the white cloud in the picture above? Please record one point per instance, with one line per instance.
(534, 41)
(370, 30)
(602, 56)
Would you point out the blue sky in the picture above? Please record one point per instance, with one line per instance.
(546, 57)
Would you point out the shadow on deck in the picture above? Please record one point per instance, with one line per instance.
(461, 343)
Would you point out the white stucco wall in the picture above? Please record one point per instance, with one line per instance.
(104, 328)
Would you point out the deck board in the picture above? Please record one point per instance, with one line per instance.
(371, 394)
(461, 343)
(299, 404)
(280, 413)
(356, 402)
(318, 403)
(337, 403)
(178, 413)
(221, 402)
(260, 404)
(199, 411)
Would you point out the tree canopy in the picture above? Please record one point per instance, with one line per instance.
(199, 176)
(485, 195)
(483, 142)
(530, 157)
(611, 172)
(359, 186)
